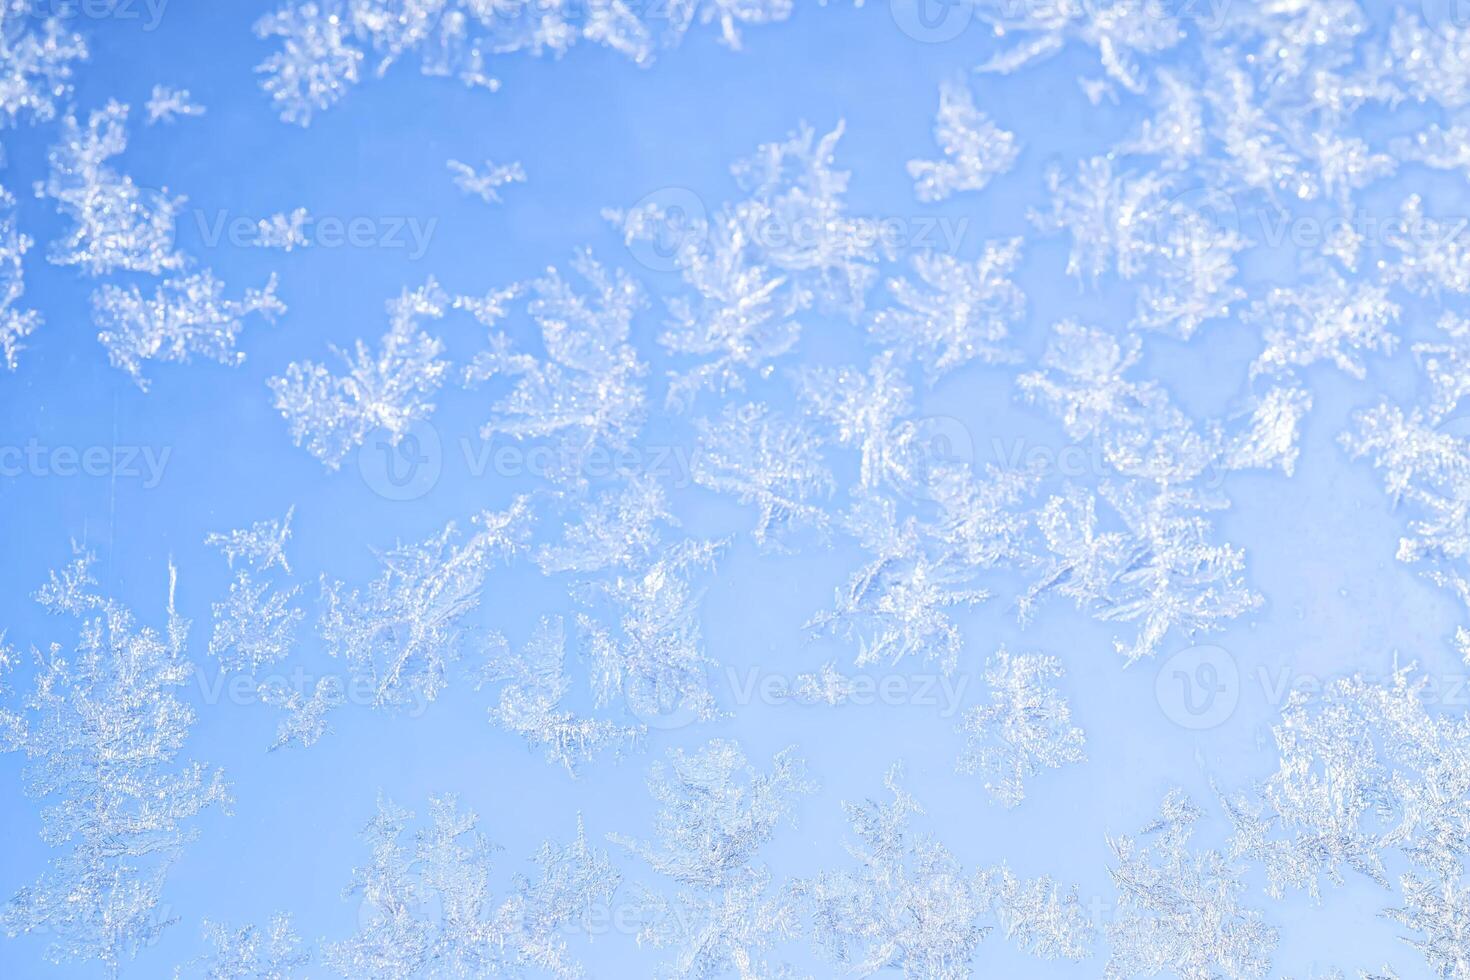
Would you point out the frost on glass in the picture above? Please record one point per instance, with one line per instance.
(1329, 319)
(256, 624)
(486, 184)
(614, 528)
(283, 231)
(716, 812)
(304, 717)
(37, 61)
(185, 317)
(15, 323)
(250, 952)
(167, 105)
(390, 388)
(976, 150)
(765, 459)
(534, 684)
(1180, 909)
(401, 634)
(426, 908)
(587, 394)
(643, 636)
(1025, 728)
(323, 46)
(103, 732)
(115, 225)
(962, 312)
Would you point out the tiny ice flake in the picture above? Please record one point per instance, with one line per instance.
(976, 150)
(283, 231)
(486, 185)
(331, 415)
(1026, 727)
(262, 546)
(185, 316)
(15, 324)
(305, 721)
(167, 104)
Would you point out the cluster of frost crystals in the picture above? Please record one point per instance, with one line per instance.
(976, 150)
(1439, 914)
(390, 388)
(1179, 909)
(963, 312)
(35, 65)
(763, 458)
(323, 44)
(103, 732)
(757, 263)
(250, 953)
(283, 231)
(427, 911)
(1156, 564)
(535, 684)
(906, 905)
(1367, 768)
(185, 316)
(1122, 32)
(256, 624)
(716, 812)
(653, 660)
(486, 185)
(587, 394)
(115, 224)
(1026, 727)
(400, 636)
(616, 528)
(1039, 917)
(304, 721)
(15, 324)
(166, 105)
(1330, 320)
(1150, 229)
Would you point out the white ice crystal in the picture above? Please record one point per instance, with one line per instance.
(976, 150)
(400, 636)
(167, 104)
(262, 546)
(1179, 909)
(389, 388)
(1024, 729)
(115, 224)
(249, 953)
(15, 324)
(186, 316)
(283, 231)
(486, 185)
(36, 62)
(104, 731)
(305, 720)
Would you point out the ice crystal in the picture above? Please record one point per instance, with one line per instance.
(116, 225)
(1039, 917)
(587, 395)
(391, 388)
(717, 811)
(530, 702)
(618, 528)
(262, 546)
(283, 231)
(250, 953)
(1179, 909)
(184, 317)
(1440, 912)
(251, 628)
(763, 458)
(427, 908)
(486, 186)
(104, 731)
(907, 905)
(400, 636)
(1026, 727)
(963, 312)
(976, 150)
(15, 324)
(167, 104)
(654, 659)
(305, 721)
(1122, 31)
(1331, 320)
(37, 64)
